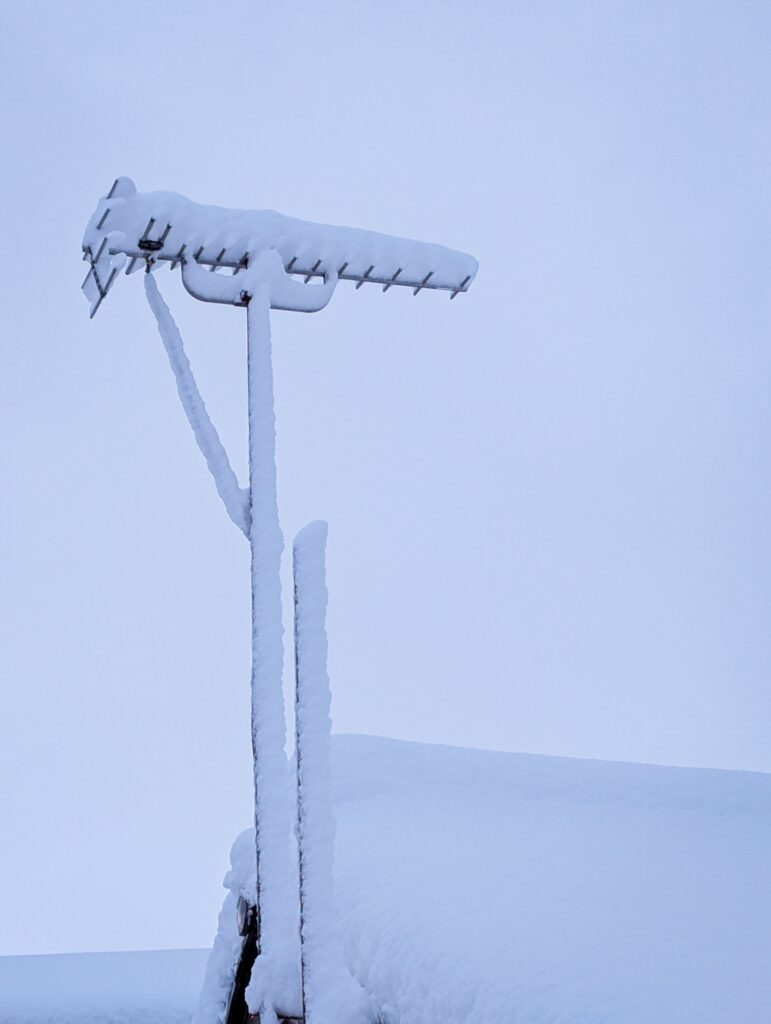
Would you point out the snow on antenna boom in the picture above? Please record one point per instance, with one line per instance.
(130, 228)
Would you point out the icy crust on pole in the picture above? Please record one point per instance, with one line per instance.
(170, 225)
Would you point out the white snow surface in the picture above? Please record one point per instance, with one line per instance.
(474, 886)
(157, 987)
(330, 994)
(478, 887)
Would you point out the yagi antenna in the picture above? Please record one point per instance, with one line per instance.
(133, 230)
(260, 260)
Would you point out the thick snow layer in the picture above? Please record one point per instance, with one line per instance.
(474, 886)
(157, 987)
(477, 886)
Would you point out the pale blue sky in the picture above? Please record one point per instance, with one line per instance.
(548, 501)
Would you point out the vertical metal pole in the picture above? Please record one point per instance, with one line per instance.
(329, 992)
(276, 903)
(298, 757)
(312, 733)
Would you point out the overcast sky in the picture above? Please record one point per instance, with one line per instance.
(548, 500)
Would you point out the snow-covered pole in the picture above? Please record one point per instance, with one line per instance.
(275, 985)
(329, 993)
(315, 821)
(274, 989)
(276, 979)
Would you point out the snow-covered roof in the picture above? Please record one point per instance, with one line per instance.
(148, 987)
(475, 887)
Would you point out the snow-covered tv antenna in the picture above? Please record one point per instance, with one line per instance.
(133, 229)
(260, 260)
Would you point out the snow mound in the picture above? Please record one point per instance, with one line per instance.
(476, 886)
(160, 987)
